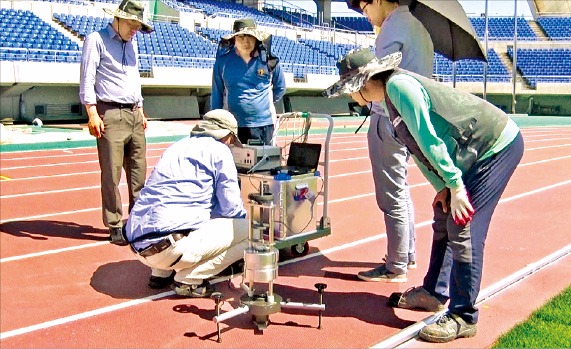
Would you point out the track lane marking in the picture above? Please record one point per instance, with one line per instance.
(108, 309)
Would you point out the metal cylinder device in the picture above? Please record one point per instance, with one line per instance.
(261, 265)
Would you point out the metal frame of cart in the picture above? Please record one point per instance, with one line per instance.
(298, 243)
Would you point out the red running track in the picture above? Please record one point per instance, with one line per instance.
(63, 285)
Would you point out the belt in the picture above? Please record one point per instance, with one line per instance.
(162, 245)
(132, 106)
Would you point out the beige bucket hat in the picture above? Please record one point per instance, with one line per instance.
(217, 123)
(246, 26)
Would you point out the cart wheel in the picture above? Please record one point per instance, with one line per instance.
(300, 250)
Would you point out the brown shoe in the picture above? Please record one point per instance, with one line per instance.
(415, 298)
(203, 290)
(117, 237)
(447, 328)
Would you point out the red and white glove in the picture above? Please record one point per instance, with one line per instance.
(461, 209)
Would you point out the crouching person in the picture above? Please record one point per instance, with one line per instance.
(188, 223)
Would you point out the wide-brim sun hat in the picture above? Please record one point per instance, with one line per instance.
(246, 26)
(131, 9)
(218, 123)
(357, 67)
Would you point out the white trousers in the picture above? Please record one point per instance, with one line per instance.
(204, 253)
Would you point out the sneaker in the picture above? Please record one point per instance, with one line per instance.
(410, 265)
(415, 298)
(203, 290)
(447, 328)
(116, 236)
(157, 282)
(381, 273)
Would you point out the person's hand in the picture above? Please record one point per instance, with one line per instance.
(96, 126)
(144, 117)
(460, 206)
(442, 199)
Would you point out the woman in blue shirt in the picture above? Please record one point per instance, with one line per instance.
(248, 82)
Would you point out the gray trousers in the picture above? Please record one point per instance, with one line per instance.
(122, 145)
(389, 164)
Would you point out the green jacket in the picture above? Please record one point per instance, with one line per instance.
(446, 130)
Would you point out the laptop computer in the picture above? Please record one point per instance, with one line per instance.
(302, 158)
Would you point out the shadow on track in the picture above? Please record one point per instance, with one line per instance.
(43, 230)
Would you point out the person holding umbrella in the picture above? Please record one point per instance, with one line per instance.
(399, 31)
(468, 149)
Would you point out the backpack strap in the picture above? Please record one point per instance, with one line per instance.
(271, 59)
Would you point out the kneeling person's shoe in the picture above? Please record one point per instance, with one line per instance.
(157, 282)
(415, 298)
(116, 236)
(381, 273)
(447, 328)
(203, 290)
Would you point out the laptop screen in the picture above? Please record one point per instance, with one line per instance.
(304, 155)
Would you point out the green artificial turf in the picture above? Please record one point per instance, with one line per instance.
(547, 327)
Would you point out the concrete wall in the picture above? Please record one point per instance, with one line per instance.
(318, 104)
(172, 107)
(57, 102)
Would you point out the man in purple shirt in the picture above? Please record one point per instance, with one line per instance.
(188, 222)
(110, 89)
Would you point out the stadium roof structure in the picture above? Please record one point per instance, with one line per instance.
(538, 7)
(550, 7)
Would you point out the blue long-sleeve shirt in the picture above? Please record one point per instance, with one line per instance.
(195, 180)
(248, 88)
(109, 70)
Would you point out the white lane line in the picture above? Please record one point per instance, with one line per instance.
(333, 176)
(84, 315)
(122, 184)
(100, 311)
(549, 147)
(340, 175)
(48, 252)
(409, 333)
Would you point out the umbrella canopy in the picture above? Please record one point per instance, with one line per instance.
(448, 25)
(451, 30)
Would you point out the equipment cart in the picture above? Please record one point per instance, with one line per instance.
(295, 193)
(282, 203)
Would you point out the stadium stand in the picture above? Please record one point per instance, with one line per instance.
(557, 28)
(360, 24)
(544, 65)
(299, 19)
(471, 70)
(187, 33)
(502, 28)
(213, 8)
(26, 37)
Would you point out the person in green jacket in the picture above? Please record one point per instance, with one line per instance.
(468, 150)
